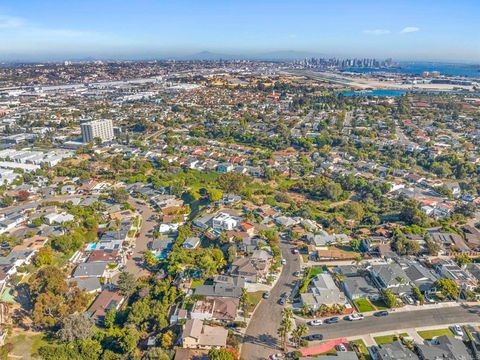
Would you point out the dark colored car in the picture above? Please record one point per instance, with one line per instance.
(381, 313)
(313, 337)
(332, 320)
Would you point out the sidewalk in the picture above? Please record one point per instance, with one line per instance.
(369, 340)
(406, 308)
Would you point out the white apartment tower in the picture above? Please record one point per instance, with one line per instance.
(102, 129)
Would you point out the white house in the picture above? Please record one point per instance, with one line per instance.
(225, 221)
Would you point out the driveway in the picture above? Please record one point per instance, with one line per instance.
(398, 321)
(260, 339)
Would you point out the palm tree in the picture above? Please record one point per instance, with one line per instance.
(244, 303)
(286, 326)
(298, 333)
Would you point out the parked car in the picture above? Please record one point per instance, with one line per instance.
(457, 330)
(355, 317)
(332, 320)
(266, 295)
(341, 347)
(277, 356)
(315, 322)
(381, 313)
(283, 299)
(313, 337)
(409, 300)
(284, 261)
(297, 274)
(294, 251)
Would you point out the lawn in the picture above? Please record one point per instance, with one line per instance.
(363, 305)
(380, 305)
(360, 347)
(430, 334)
(387, 339)
(197, 282)
(312, 272)
(26, 347)
(253, 299)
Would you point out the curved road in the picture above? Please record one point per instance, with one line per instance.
(260, 339)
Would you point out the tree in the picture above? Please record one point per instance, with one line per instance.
(389, 298)
(448, 288)
(126, 283)
(120, 195)
(412, 214)
(43, 257)
(53, 298)
(7, 200)
(418, 295)
(215, 195)
(155, 354)
(463, 259)
(75, 327)
(110, 317)
(128, 341)
(150, 260)
(167, 339)
(231, 182)
(220, 354)
(244, 303)
(298, 333)
(354, 210)
(286, 326)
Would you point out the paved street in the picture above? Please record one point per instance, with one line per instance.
(397, 321)
(260, 339)
(135, 263)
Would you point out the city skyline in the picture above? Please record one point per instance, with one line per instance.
(410, 30)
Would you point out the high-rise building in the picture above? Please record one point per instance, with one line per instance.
(101, 129)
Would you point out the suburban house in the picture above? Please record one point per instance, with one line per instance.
(253, 268)
(359, 287)
(197, 335)
(91, 269)
(322, 290)
(392, 277)
(444, 347)
(224, 221)
(215, 308)
(223, 286)
(105, 301)
(191, 243)
(395, 351)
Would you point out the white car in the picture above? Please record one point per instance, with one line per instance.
(355, 317)
(341, 347)
(276, 356)
(284, 261)
(457, 330)
(315, 322)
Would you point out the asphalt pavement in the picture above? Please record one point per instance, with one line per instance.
(397, 321)
(260, 339)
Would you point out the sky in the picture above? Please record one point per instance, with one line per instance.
(441, 30)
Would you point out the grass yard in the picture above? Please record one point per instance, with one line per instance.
(361, 348)
(380, 305)
(253, 299)
(430, 334)
(312, 272)
(197, 282)
(363, 305)
(387, 339)
(26, 346)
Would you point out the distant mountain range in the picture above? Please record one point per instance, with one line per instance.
(274, 55)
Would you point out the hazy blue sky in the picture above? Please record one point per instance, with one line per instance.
(402, 29)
